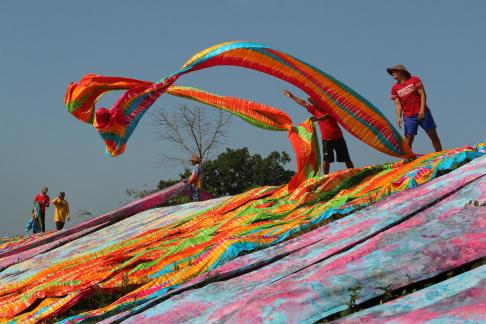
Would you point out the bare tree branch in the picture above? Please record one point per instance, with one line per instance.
(191, 130)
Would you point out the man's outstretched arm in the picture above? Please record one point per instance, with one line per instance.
(298, 100)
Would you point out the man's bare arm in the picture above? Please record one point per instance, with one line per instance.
(323, 117)
(423, 99)
(298, 100)
(399, 110)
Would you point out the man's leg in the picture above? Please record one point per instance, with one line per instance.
(43, 221)
(428, 124)
(342, 153)
(327, 155)
(325, 167)
(435, 139)
(194, 193)
(409, 139)
(410, 125)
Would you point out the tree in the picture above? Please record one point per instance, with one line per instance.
(179, 199)
(236, 171)
(191, 130)
(145, 191)
(232, 172)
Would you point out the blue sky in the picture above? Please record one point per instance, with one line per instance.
(44, 45)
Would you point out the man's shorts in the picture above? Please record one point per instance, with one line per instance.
(339, 145)
(412, 123)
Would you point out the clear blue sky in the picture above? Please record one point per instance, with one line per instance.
(46, 44)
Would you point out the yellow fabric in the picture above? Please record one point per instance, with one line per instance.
(61, 210)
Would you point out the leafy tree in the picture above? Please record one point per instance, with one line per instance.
(236, 171)
(177, 200)
(232, 172)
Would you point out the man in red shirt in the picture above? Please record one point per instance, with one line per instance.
(332, 137)
(43, 200)
(410, 100)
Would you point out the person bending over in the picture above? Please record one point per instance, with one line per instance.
(332, 136)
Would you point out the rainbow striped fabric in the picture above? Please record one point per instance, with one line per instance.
(357, 115)
(147, 256)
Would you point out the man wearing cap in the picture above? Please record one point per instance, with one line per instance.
(195, 179)
(410, 101)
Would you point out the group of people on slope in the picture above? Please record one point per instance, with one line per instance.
(42, 201)
(37, 224)
(410, 100)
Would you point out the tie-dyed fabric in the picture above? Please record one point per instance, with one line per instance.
(267, 254)
(351, 110)
(461, 299)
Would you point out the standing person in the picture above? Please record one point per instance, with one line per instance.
(411, 102)
(332, 136)
(61, 211)
(43, 200)
(34, 222)
(194, 179)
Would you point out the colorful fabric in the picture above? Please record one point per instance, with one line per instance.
(23, 249)
(310, 281)
(329, 127)
(257, 114)
(159, 251)
(349, 109)
(34, 223)
(461, 299)
(412, 123)
(61, 210)
(407, 93)
(306, 147)
(301, 137)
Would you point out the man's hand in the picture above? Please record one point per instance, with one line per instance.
(287, 93)
(399, 122)
(421, 115)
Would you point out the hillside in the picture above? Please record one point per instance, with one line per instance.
(394, 241)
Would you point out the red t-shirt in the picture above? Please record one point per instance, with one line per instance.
(43, 201)
(408, 94)
(330, 129)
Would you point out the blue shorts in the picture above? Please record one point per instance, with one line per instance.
(412, 123)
